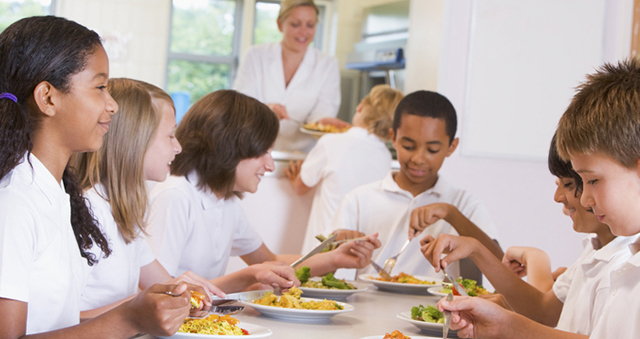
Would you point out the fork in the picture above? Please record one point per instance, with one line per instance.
(392, 261)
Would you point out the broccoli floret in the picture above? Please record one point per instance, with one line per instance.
(303, 274)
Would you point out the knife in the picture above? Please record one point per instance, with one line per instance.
(241, 296)
(447, 319)
(316, 250)
(456, 284)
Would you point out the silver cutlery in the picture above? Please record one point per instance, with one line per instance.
(382, 272)
(316, 250)
(447, 319)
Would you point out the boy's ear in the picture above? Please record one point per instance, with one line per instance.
(42, 95)
(392, 135)
(453, 146)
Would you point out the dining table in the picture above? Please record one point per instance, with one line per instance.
(375, 313)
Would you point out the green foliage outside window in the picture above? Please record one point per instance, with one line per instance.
(266, 26)
(197, 78)
(203, 28)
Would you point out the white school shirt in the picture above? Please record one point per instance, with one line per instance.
(621, 311)
(40, 262)
(190, 229)
(117, 276)
(584, 286)
(384, 207)
(339, 163)
(312, 93)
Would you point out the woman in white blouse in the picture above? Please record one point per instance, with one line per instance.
(295, 80)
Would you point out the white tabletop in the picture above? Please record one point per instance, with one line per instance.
(374, 314)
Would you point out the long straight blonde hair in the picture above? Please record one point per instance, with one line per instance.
(119, 164)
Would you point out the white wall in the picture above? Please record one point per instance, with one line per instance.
(518, 193)
(135, 34)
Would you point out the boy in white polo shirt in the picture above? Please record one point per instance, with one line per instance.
(341, 162)
(600, 134)
(416, 198)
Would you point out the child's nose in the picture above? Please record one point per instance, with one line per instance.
(560, 194)
(586, 199)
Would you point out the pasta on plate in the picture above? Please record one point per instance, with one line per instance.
(291, 299)
(213, 324)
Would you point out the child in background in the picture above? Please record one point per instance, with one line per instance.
(416, 197)
(54, 102)
(598, 133)
(576, 301)
(341, 162)
(139, 146)
(196, 221)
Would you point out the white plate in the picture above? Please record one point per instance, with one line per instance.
(255, 331)
(401, 287)
(293, 314)
(313, 132)
(331, 293)
(436, 290)
(411, 336)
(423, 325)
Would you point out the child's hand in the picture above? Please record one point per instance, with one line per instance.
(475, 317)
(517, 258)
(293, 170)
(347, 234)
(276, 274)
(194, 279)
(160, 309)
(498, 299)
(457, 246)
(356, 254)
(425, 216)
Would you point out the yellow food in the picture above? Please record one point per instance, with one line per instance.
(396, 335)
(407, 279)
(196, 299)
(213, 324)
(291, 299)
(314, 126)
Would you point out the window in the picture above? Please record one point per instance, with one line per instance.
(203, 48)
(14, 10)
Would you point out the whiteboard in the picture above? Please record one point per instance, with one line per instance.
(525, 60)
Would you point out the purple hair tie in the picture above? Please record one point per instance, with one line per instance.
(9, 96)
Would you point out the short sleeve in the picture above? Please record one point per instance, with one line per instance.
(17, 243)
(314, 165)
(347, 215)
(145, 254)
(168, 227)
(245, 239)
(563, 283)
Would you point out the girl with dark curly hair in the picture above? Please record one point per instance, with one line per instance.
(53, 103)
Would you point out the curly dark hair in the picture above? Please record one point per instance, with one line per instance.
(33, 50)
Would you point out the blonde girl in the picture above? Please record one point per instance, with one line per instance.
(139, 146)
(339, 163)
(53, 103)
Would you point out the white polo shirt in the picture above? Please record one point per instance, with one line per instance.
(337, 164)
(192, 230)
(40, 262)
(584, 287)
(117, 276)
(621, 311)
(385, 208)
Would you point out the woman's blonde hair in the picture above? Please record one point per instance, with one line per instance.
(287, 6)
(378, 109)
(119, 164)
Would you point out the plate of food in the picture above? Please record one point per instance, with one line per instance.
(327, 286)
(403, 283)
(421, 324)
(318, 129)
(290, 306)
(470, 286)
(397, 335)
(218, 327)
